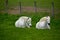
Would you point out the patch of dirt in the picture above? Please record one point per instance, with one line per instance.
(28, 9)
(16, 10)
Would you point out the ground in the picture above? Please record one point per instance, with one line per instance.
(8, 31)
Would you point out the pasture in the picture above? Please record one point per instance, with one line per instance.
(40, 3)
(8, 31)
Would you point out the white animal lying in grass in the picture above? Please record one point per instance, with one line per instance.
(44, 23)
(23, 22)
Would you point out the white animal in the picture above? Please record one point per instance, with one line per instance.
(44, 23)
(23, 22)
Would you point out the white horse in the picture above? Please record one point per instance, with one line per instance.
(44, 23)
(23, 22)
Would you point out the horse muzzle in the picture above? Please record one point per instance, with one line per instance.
(48, 23)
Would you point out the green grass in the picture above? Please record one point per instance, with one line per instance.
(8, 31)
(2, 4)
(40, 3)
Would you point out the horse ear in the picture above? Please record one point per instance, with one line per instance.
(28, 17)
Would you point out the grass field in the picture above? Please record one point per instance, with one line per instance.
(40, 3)
(8, 31)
